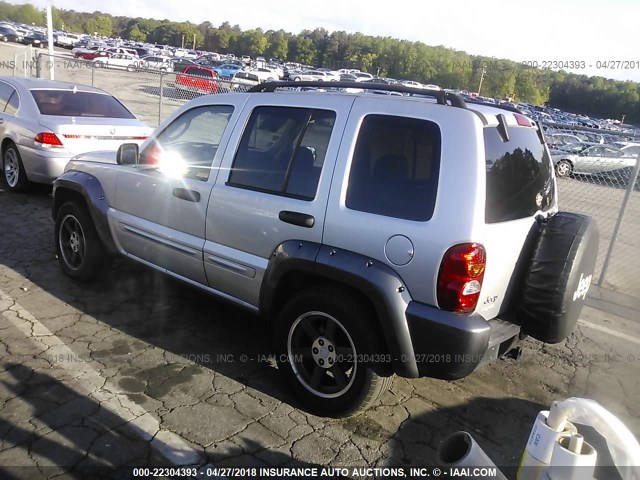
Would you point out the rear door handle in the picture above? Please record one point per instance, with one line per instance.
(297, 218)
(186, 194)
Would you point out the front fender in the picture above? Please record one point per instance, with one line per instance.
(72, 184)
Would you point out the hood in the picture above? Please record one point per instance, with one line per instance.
(103, 156)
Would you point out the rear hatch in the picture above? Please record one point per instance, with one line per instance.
(520, 186)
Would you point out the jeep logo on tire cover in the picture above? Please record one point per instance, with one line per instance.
(583, 288)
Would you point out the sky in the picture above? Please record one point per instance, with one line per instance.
(535, 31)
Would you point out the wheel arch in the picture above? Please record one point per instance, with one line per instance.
(297, 265)
(85, 189)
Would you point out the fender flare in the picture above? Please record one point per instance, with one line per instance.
(90, 189)
(376, 280)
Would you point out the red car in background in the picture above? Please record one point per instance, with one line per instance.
(198, 79)
(90, 54)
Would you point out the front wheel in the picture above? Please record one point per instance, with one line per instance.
(79, 249)
(324, 342)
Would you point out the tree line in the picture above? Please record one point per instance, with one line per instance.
(384, 56)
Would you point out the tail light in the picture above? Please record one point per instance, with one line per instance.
(460, 277)
(48, 138)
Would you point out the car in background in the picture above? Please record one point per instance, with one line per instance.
(630, 149)
(197, 80)
(180, 63)
(122, 61)
(243, 80)
(35, 39)
(68, 40)
(90, 53)
(309, 75)
(227, 70)
(9, 34)
(155, 62)
(591, 160)
(330, 74)
(560, 140)
(46, 122)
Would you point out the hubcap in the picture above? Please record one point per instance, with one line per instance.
(11, 168)
(322, 354)
(72, 242)
(563, 169)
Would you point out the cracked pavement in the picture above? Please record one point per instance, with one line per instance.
(137, 369)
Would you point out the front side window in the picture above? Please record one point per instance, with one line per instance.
(282, 151)
(189, 144)
(395, 167)
(519, 175)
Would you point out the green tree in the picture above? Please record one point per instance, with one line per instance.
(100, 25)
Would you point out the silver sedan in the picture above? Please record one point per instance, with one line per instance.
(591, 160)
(43, 123)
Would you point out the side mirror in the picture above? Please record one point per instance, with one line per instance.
(128, 154)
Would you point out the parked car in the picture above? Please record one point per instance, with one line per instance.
(45, 123)
(227, 70)
(36, 39)
(180, 63)
(68, 40)
(308, 75)
(559, 140)
(592, 160)
(9, 34)
(90, 53)
(198, 80)
(122, 61)
(361, 226)
(243, 80)
(155, 62)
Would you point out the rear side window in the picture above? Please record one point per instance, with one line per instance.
(200, 72)
(282, 151)
(519, 175)
(68, 103)
(395, 167)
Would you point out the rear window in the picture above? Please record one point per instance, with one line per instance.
(200, 72)
(68, 103)
(519, 175)
(395, 167)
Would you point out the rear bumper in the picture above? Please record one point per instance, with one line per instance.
(44, 166)
(449, 345)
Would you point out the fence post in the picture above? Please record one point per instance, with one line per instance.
(38, 65)
(632, 183)
(161, 94)
(93, 71)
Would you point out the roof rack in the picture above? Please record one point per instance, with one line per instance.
(441, 96)
(495, 105)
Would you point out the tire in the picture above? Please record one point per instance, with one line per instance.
(564, 168)
(297, 79)
(314, 329)
(14, 174)
(78, 247)
(558, 277)
(131, 68)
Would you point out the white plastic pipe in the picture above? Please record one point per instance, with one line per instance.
(461, 450)
(50, 42)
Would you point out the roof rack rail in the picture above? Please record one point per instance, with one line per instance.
(441, 96)
(494, 105)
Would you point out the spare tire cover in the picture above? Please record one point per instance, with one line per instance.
(558, 278)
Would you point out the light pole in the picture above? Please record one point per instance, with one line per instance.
(182, 41)
(484, 71)
(194, 41)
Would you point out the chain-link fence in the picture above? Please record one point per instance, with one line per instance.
(151, 94)
(595, 168)
(24, 62)
(597, 173)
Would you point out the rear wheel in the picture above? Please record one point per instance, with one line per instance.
(564, 168)
(13, 168)
(324, 346)
(80, 251)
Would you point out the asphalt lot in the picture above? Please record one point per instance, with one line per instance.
(137, 369)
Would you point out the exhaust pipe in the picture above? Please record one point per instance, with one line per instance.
(461, 450)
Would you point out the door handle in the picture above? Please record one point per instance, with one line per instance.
(297, 218)
(186, 194)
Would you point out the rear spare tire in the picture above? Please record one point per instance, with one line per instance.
(560, 272)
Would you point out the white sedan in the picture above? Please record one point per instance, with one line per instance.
(591, 160)
(119, 60)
